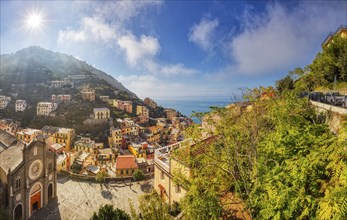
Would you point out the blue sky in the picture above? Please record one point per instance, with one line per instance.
(178, 49)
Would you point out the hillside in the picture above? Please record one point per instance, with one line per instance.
(36, 65)
(277, 155)
(27, 75)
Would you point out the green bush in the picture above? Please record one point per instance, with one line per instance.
(138, 175)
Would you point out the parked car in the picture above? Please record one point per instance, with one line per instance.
(317, 96)
(335, 98)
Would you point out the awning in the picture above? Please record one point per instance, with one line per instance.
(162, 189)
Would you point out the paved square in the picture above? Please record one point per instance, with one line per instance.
(79, 199)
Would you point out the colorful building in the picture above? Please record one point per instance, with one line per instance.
(153, 134)
(138, 150)
(85, 144)
(143, 113)
(88, 94)
(101, 113)
(126, 106)
(105, 156)
(116, 137)
(27, 135)
(64, 136)
(9, 125)
(126, 165)
(164, 167)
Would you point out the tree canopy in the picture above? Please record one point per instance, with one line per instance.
(107, 212)
(277, 155)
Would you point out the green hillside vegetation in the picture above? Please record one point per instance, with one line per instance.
(279, 156)
(27, 75)
(71, 115)
(320, 75)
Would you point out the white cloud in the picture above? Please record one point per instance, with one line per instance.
(201, 34)
(283, 38)
(71, 35)
(137, 50)
(169, 70)
(92, 28)
(155, 87)
(107, 25)
(100, 30)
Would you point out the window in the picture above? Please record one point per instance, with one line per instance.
(177, 189)
(50, 166)
(127, 172)
(17, 182)
(121, 172)
(35, 151)
(162, 175)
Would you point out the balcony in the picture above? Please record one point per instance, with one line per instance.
(162, 155)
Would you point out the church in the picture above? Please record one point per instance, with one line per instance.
(27, 176)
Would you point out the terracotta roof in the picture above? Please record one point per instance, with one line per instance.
(126, 162)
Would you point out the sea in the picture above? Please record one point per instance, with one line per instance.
(188, 106)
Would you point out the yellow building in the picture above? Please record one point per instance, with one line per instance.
(123, 105)
(105, 156)
(88, 94)
(126, 165)
(85, 144)
(27, 135)
(137, 150)
(341, 31)
(164, 168)
(166, 165)
(116, 138)
(152, 134)
(128, 127)
(101, 113)
(64, 137)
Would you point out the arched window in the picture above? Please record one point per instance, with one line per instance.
(50, 191)
(17, 182)
(18, 212)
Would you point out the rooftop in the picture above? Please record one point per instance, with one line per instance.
(332, 34)
(12, 156)
(6, 140)
(101, 109)
(105, 151)
(126, 162)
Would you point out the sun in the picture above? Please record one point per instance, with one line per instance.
(34, 21)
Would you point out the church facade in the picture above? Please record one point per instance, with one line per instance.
(27, 176)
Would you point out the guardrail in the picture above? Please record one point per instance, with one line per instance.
(328, 107)
(107, 179)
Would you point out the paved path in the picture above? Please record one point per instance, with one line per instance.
(78, 200)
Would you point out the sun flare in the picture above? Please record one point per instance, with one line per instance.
(34, 21)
